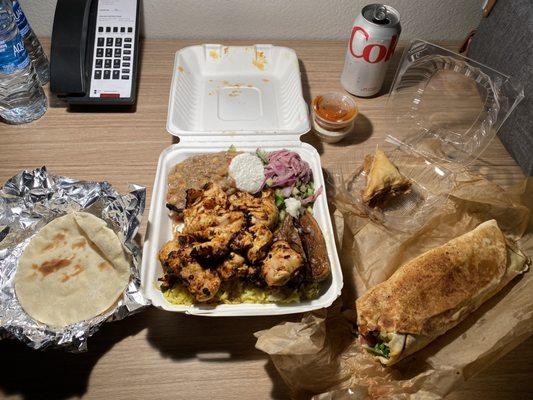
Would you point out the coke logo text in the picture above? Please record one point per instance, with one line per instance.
(360, 48)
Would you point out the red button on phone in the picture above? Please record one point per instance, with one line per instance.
(110, 95)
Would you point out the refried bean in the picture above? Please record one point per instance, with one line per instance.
(194, 173)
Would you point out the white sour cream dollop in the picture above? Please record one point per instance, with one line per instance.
(247, 171)
(293, 206)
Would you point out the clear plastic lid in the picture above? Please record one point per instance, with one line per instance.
(446, 106)
(445, 110)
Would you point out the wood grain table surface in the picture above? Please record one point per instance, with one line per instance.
(157, 354)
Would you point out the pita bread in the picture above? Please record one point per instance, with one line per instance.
(434, 292)
(73, 269)
(383, 180)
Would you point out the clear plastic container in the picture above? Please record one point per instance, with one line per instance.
(445, 110)
(448, 107)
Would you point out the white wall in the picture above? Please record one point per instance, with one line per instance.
(281, 19)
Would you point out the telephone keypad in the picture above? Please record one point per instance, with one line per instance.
(116, 44)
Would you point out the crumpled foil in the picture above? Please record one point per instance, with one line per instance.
(29, 201)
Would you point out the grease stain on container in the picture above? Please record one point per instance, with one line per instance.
(214, 55)
(259, 61)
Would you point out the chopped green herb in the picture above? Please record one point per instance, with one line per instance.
(380, 349)
(280, 200)
(263, 155)
(232, 149)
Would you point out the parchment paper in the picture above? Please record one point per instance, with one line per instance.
(318, 355)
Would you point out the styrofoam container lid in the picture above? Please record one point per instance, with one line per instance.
(249, 97)
(227, 91)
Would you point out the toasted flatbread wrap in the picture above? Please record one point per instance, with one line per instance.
(434, 292)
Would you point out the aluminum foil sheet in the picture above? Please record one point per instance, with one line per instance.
(29, 201)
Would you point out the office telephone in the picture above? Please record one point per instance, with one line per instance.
(94, 53)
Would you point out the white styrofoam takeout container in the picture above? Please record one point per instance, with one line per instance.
(217, 93)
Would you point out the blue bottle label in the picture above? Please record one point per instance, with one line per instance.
(22, 22)
(13, 55)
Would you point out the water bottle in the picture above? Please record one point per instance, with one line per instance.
(21, 96)
(32, 44)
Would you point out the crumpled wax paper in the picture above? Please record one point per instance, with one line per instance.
(318, 356)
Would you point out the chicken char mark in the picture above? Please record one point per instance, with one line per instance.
(234, 265)
(208, 221)
(281, 264)
(179, 265)
(261, 208)
(286, 257)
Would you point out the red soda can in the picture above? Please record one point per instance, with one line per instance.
(375, 33)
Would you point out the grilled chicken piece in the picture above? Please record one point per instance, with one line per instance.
(253, 242)
(218, 237)
(262, 209)
(202, 283)
(175, 257)
(175, 253)
(210, 199)
(318, 267)
(207, 219)
(281, 264)
(261, 240)
(242, 241)
(232, 266)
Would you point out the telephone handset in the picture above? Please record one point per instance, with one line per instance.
(94, 52)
